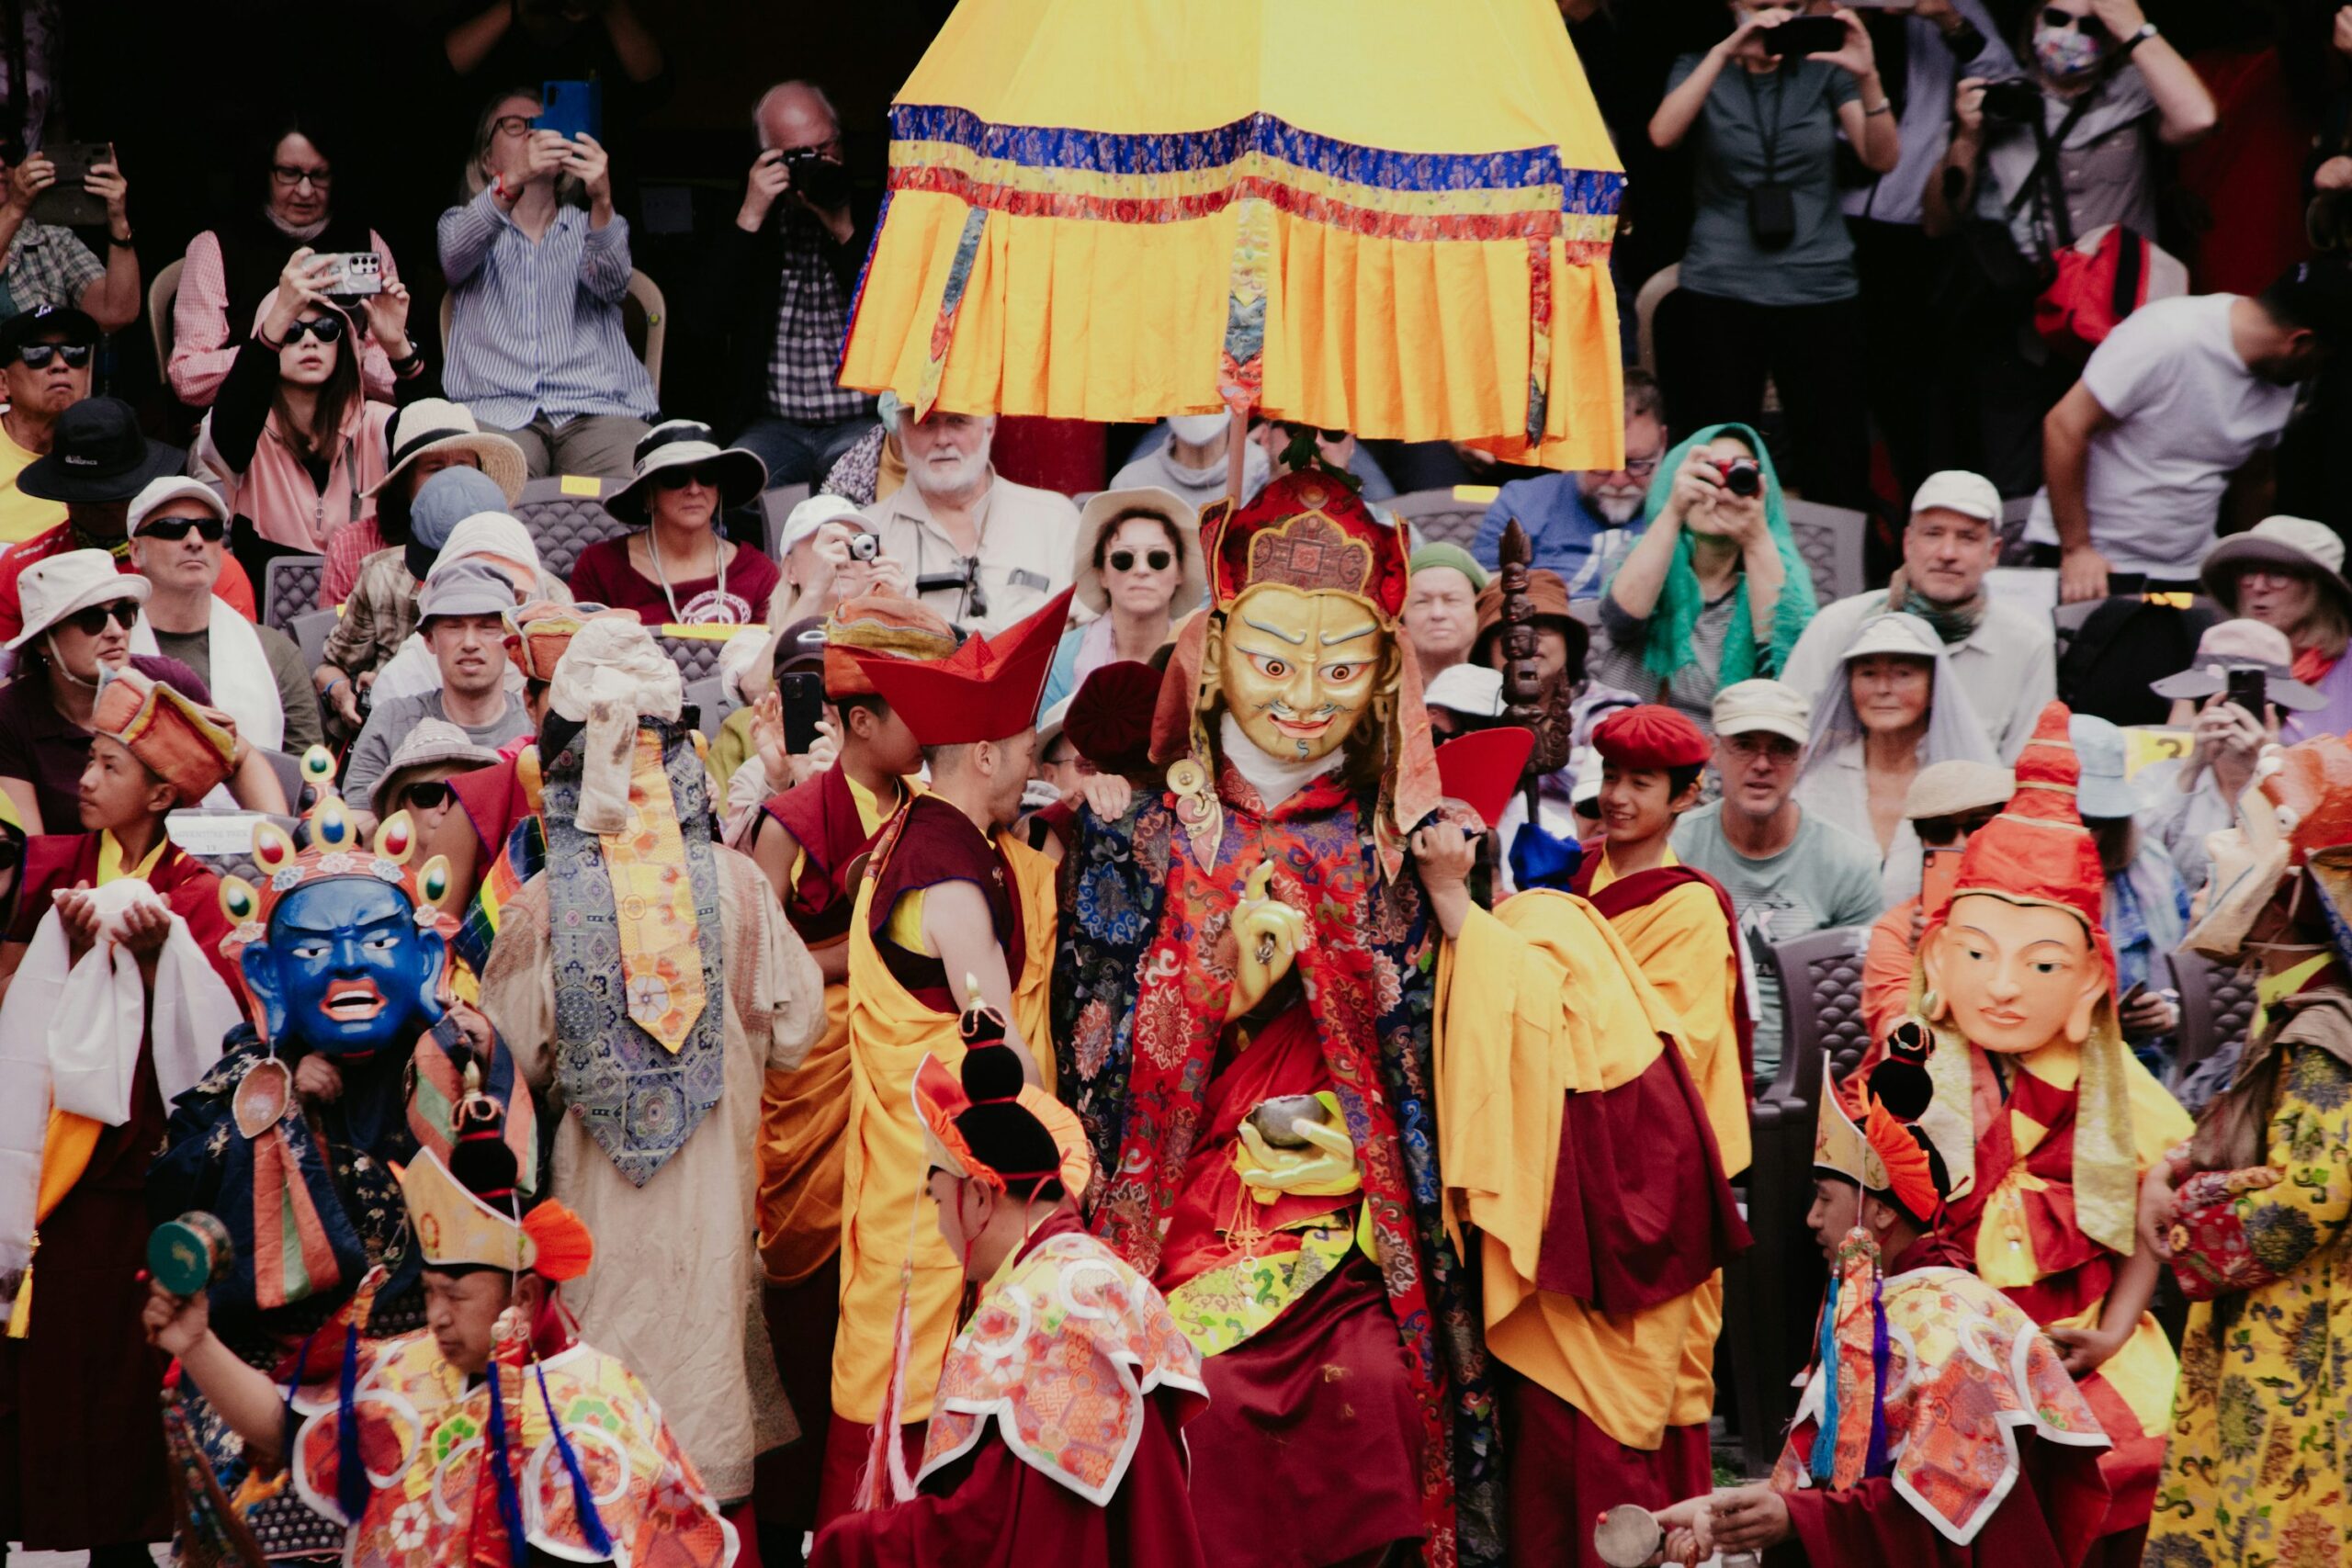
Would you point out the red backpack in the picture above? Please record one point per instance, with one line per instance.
(2099, 281)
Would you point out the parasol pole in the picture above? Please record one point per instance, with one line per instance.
(1522, 687)
(1233, 464)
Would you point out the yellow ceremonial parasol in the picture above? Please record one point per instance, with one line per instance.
(1390, 216)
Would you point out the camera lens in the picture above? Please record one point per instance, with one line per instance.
(1743, 478)
(864, 547)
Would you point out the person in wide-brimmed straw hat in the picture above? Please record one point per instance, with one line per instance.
(425, 437)
(1138, 568)
(2287, 572)
(676, 566)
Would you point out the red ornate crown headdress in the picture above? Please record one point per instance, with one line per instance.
(1307, 531)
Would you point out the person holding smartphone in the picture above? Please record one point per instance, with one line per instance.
(1769, 286)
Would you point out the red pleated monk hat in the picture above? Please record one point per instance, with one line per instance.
(1650, 736)
(986, 689)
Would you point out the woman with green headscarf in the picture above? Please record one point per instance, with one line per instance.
(1715, 591)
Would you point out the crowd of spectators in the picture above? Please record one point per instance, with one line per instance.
(1872, 231)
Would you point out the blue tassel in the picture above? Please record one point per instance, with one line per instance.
(1824, 1459)
(1539, 860)
(501, 1462)
(584, 1501)
(350, 1471)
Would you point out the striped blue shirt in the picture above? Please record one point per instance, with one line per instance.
(534, 327)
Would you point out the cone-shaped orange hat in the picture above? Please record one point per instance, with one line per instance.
(986, 689)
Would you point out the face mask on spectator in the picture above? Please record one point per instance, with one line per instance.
(2065, 52)
(1198, 429)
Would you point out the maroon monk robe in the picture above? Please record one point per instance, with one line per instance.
(1638, 888)
(1311, 1421)
(989, 1509)
(81, 1436)
(821, 816)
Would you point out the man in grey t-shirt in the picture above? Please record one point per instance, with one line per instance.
(1789, 875)
(462, 619)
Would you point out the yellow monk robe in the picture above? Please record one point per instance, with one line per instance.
(886, 1212)
(1541, 998)
(803, 1115)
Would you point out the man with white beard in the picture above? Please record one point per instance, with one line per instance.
(1191, 461)
(1582, 524)
(977, 547)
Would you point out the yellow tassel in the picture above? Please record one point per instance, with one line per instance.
(20, 1314)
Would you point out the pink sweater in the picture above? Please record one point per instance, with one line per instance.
(275, 489)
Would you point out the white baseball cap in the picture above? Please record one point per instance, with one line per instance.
(1472, 689)
(813, 514)
(1893, 632)
(170, 488)
(1957, 489)
(1774, 707)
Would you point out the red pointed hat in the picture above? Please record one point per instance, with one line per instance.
(1650, 736)
(1308, 531)
(986, 689)
(1481, 768)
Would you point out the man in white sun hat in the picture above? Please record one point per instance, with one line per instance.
(1790, 872)
(179, 529)
(2004, 656)
(2287, 572)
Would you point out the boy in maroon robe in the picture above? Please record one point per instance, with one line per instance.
(81, 1442)
(1056, 1432)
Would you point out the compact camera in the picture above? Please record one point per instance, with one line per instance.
(1741, 476)
(2013, 102)
(863, 546)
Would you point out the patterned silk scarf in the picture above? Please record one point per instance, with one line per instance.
(639, 1048)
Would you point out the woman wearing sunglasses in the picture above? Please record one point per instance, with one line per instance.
(2108, 89)
(292, 431)
(676, 567)
(1138, 569)
(295, 199)
(79, 610)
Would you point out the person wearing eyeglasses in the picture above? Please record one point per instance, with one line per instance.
(45, 357)
(778, 284)
(293, 431)
(979, 548)
(97, 461)
(179, 529)
(79, 612)
(1581, 526)
(539, 264)
(674, 567)
(297, 200)
(1138, 567)
(47, 264)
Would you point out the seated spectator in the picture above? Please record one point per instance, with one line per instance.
(1581, 526)
(79, 609)
(2177, 412)
(424, 437)
(1187, 454)
(1890, 708)
(489, 538)
(48, 264)
(981, 550)
(2287, 572)
(750, 665)
(2146, 908)
(2004, 656)
(229, 267)
(381, 614)
(674, 567)
(1336, 447)
(875, 466)
(536, 344)
(1715, 591)
(820, 570)
(2111, 93)
(416, 780)
(1139, 567)
(97, 463)
(1790, 871)
(784, 272)
(291, 431)
(1947, 801)
(1463, 697)
(1442, 606)
(256, 675)
(1767, 287)
(463, 621)
(2189, 797)
(45, 357)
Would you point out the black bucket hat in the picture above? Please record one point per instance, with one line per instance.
(99, 454)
